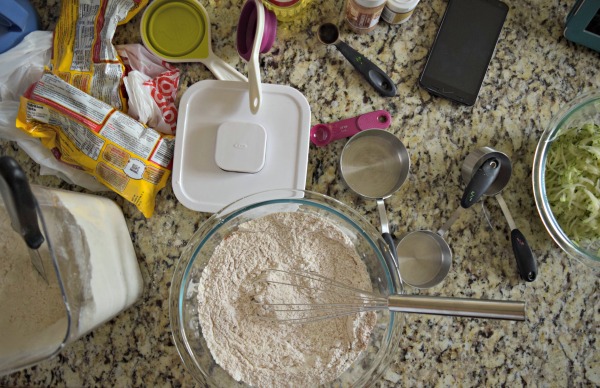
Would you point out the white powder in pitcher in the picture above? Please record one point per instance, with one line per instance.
(274, 354)
(32, 313)
(99, 268)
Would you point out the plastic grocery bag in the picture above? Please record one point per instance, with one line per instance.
(20, 67)
(151, 85)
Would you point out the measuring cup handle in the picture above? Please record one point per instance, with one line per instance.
(392, 246)
(525, 261)
(373, 74)
(480, 182)
(391, 258)
(223, 70)
(255, 90)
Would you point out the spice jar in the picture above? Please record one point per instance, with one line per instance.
(398, 11)
(286, 10)
(363, 15)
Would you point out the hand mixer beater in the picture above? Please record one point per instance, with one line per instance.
(324, 298)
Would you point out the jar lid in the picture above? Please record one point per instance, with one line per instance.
(402, 6)
(369, 3)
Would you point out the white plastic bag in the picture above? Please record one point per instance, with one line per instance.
(151, 85)
(20, 67)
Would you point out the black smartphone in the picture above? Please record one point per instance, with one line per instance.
(463, 49)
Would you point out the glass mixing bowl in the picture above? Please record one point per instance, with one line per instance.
(582, 110)
(183, 299)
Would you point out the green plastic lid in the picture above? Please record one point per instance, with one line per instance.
(176, 31)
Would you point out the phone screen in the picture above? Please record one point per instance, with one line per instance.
(463, 48)
(594, 25)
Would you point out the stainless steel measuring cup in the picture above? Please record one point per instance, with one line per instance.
(526, 263)
(424, 257)
(374, 164)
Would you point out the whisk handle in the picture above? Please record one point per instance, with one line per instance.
(458, 307)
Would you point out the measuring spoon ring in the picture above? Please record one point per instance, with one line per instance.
(329, 34)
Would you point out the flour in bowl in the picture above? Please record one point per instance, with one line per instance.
(274, 354)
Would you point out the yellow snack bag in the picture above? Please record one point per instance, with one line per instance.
(131, 159)
(137, 7)
(83, 54)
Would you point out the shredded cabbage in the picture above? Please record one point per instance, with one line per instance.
(573, 182)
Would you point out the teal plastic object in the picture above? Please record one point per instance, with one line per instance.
(583, 24)
(17, 19)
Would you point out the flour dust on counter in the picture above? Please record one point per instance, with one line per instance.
(269, 354)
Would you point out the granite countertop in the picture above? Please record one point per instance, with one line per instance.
(534, 72)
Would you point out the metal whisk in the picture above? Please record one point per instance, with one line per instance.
(302, 297)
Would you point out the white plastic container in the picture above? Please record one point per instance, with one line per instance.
(206, 176)
(114, 278)
(87, 271)
(398, 11)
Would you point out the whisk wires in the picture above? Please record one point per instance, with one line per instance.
(302, 297)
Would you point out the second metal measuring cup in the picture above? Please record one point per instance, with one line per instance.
(374, 164)
(424, 257)
(526, 263)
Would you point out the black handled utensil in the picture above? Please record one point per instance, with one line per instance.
(526, 263)
(476, 187)
(480, 182)
(328, 33)
(22, 208)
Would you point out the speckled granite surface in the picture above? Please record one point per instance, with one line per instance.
(534, 72)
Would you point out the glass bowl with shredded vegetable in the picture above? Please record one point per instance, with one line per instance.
(566, 179)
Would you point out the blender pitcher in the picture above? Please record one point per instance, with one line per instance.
(67, 265)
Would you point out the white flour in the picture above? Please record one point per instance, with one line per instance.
(32, 312)
(269, 354)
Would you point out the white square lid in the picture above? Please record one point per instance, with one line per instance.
(198, 181)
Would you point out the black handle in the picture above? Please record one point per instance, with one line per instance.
(525, 260)
(20, 202)
(373, 74)
(480, 182)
